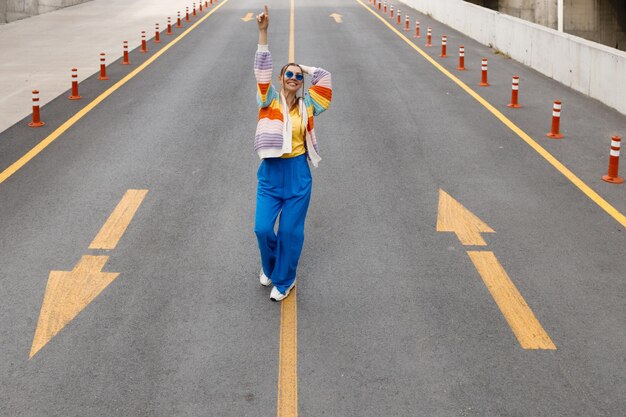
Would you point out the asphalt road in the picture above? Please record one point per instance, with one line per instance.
(393, 317)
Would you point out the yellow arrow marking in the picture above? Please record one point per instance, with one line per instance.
(337, 17)
(119, 220)
(248, 17)
(288, 358)
(453, 217)
(520, 317)
(67, 294)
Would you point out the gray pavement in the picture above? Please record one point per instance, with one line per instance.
(393, 318)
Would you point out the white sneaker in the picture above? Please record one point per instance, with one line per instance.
(276, 295)
(265, 281)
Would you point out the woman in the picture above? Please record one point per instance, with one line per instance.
(284, 140)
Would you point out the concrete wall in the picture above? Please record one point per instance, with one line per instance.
(3, 11)
(602, 21)
(588, 67)
(596, 20)
(543, 12)
(11, 10)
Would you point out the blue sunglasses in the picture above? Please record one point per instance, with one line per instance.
(290, 74)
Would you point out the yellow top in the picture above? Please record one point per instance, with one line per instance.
(297, 134)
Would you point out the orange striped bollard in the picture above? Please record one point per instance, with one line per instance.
(391, 12)
(514, 93)
(186, 14)
(461, 66)
(483, 81)
(206, 4)
(103, 67)
(399, 21)
(144, 46)
(200, 7)
(157, 34)
(613, 174)
(178, 25)
(417, 29)
(194, 10)
(556, 121)
(379, 5)
(429, 37)
(36, 122)
(444, 46)
(125, 61)
(385, 8)
(75, 95)
(407, 24)
(169, 26)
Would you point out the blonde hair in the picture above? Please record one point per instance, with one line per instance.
(282, 74)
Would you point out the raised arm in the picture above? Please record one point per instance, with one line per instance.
(263, 63)
(263, 21)
(320, 93)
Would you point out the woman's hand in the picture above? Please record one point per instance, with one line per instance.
(263, 20)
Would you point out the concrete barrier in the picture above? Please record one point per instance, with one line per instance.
(11, 10)
(591, 68)
(3, 11)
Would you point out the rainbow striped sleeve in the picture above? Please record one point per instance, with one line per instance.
(263, 73)
(320, 93)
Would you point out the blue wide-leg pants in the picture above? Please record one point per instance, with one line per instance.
(284, 188)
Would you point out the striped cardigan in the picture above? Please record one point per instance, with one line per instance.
(273, 132)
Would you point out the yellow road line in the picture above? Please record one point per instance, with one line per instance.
(520, 317)
(287, 401)
(119, 220)
(288, 358)
(292, 42)
(612, 211)
(4, 175)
